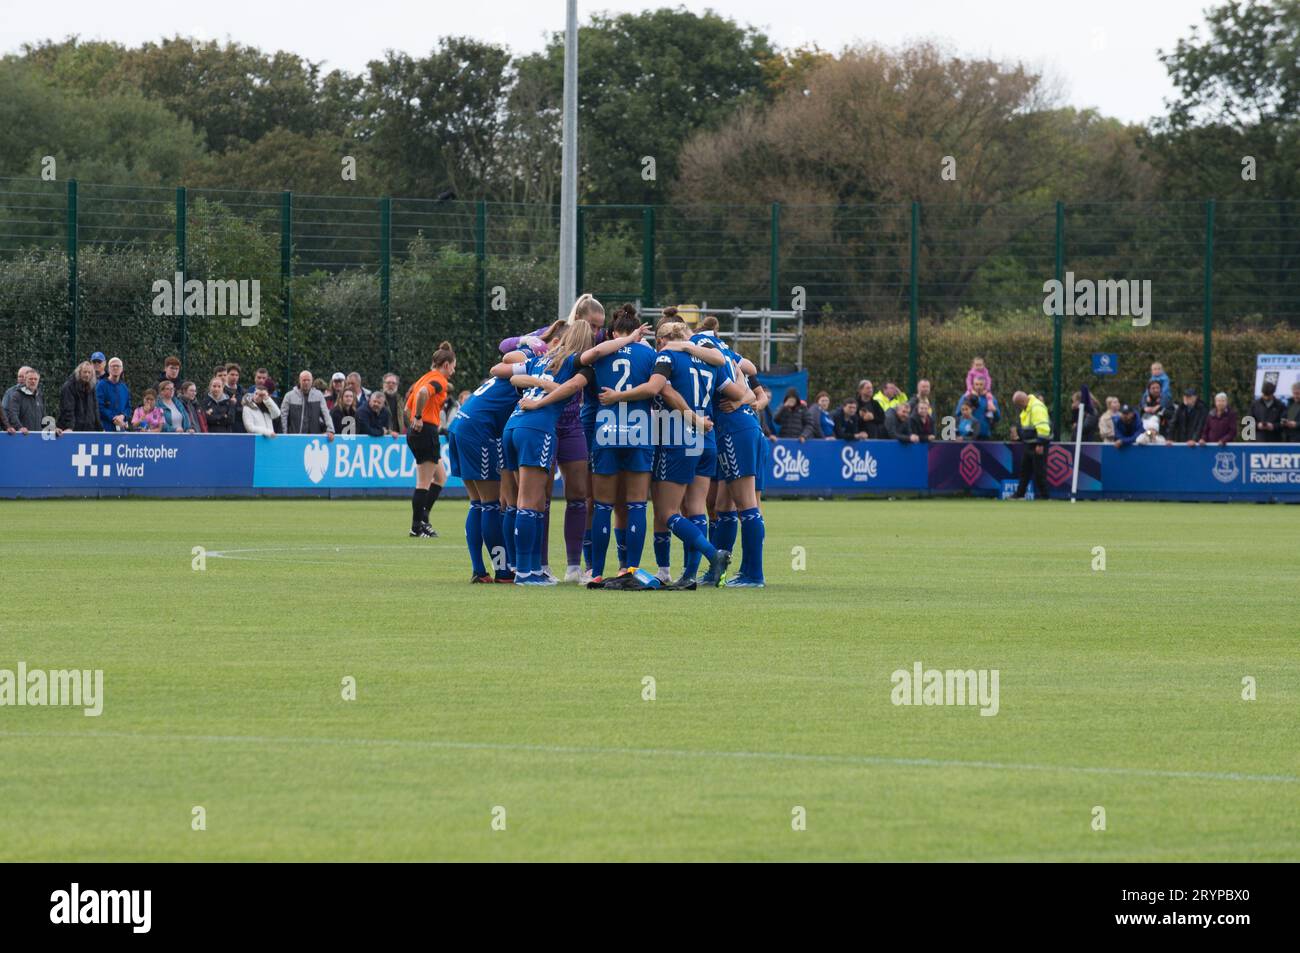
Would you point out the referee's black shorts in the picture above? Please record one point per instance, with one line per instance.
(424, 444)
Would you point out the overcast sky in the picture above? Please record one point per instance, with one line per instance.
(1101, 52)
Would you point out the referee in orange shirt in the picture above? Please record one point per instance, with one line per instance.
(424, 409)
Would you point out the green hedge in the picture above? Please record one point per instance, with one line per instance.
(337, 323)
(336, 319)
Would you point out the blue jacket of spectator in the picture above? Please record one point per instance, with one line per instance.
(985, 424)
(827, 423)
(113, 399)
(1126, 433)
(1165, 395)
(178, 422)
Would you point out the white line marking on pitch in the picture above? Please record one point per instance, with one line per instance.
(860, 760)
(232, 553)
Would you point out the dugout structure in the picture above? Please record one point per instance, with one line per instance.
(738, 326)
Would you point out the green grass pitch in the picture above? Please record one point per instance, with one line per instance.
(1119, 689)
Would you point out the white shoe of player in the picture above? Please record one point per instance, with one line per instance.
(573, 574)
(664, 575)
(549, 576)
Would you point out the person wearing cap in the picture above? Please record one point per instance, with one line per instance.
(338, 383)
(1034, 429)
(1188, 420)
(1127, 427)
(1291, 419)
(98, 362)
(1151, 435)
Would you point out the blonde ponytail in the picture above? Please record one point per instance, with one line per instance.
(580, 308)
(577, 338)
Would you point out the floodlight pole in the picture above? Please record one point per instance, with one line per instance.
(569, 165)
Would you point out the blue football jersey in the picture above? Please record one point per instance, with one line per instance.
(626, 368)
(695, 380)
(493, 401)
(545, 418)
(743, 417)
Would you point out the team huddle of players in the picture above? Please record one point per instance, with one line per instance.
(626, 424)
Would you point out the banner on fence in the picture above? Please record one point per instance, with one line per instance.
(1240, 470)
(92, 462)
(1105, 364)
(984, 467)
(1282, 369)
(833, 466)
(356, 462)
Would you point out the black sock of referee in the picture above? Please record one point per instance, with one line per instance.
(418, 508)
(430, 497)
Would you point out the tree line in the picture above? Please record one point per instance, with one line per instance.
(844, 141)
(726, 115)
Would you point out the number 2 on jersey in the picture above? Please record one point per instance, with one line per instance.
(626, 366)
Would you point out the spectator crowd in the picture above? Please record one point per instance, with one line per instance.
(1155, 418)
(96, 397)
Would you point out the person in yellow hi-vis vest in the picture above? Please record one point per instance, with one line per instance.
(890, 396)
(1035, 431)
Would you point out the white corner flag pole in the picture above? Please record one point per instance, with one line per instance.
(569, 165)
(1078, 447)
